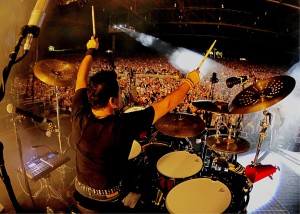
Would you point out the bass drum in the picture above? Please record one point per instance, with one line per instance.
(200, 195)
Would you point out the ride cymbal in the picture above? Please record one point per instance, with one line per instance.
(55, 72)
(262, 95)
(222, 143)
(180, 125)
(212, 106)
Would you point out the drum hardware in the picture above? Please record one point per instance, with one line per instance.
(256, 97)
(159, 197)
(239, 169)
(179, 125)
(255, 171)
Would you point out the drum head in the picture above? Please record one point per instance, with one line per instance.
(201, 195)
(179, 164)
(135, 150)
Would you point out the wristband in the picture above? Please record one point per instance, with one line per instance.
(189, 82)
(91, 51)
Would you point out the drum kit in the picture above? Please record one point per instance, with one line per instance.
(212, 180)
(208, 180)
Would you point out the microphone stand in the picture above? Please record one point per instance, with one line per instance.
(262, 134)
(6, 180)
(13, 60)
(18, 141)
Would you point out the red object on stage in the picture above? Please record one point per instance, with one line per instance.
(258, 172)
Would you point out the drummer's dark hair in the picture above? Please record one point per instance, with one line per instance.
(102, 86)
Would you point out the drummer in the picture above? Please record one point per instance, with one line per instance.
(104, 139)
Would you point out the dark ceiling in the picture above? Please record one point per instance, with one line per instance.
(243, 28)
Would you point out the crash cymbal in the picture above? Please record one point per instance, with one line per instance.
(222, 143)
(180, 125)
(212, 105)
(262, 95)
(55, 72)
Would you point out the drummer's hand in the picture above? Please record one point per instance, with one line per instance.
(193, 78)
(93, 43)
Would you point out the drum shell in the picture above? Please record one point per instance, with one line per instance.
(154, 151)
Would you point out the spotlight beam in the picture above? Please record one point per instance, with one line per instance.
(177, 56)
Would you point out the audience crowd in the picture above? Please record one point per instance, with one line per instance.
(144, 80)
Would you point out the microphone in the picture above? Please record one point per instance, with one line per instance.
(12, 109)
(35, 22)
(214, 78)
(231, 81)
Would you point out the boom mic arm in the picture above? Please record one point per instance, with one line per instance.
(13, 109)
(232, 81)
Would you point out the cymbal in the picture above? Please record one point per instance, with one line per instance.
(55, 72)
(212, 105)
(262, 94)
(180, 125)
(222, 143)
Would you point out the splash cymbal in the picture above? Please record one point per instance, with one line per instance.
(212, 106)
(180, 125)
(55, 72)
(222, 143)
(262, 95)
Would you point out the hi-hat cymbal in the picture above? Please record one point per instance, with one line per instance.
(180, 125)
(55, 72)
(262, 95)
(222, 143)
(212, 105)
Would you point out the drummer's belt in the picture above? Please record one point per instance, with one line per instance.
(106, 194)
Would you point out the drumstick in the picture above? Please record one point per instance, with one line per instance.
(93, 21)
(209, 50)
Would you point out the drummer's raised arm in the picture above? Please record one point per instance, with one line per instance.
(174, 98)
(85, 66)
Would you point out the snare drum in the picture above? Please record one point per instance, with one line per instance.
(200, 195)
(176, 167)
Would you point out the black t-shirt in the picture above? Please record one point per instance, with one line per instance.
(103, 145)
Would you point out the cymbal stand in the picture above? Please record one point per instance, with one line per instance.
(219, 122)
(58, 119)
(238, 127)
(58, 130)
(190, 146)
(262, 134)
